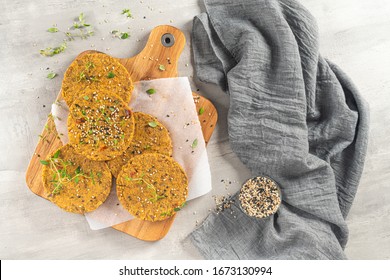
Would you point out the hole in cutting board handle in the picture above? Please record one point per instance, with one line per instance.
(167, 40)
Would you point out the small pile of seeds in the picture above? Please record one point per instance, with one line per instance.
(260, 197)
(222, 203)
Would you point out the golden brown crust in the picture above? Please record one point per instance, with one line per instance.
(150, 136)
(152, 187)
(75, 183)
(96, 71)
(100, 125)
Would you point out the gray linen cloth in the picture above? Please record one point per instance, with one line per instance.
(294, 116)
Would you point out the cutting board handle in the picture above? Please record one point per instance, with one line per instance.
(160, 56)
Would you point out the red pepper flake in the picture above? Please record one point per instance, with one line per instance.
(80, 121)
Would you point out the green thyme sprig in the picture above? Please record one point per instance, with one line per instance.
(85, 77)
(84, 30)
(83, 34)
(81, 22)
(61, 175)
(53, 51)
(89, 65)
(176, 209)
(140, 180)
(127, 12)
(48, 129)
(120, 35)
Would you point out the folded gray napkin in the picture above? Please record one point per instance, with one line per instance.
(294, 116)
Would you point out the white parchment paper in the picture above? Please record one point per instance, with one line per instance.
(174, 107)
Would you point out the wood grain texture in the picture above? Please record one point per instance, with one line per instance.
(144, 66)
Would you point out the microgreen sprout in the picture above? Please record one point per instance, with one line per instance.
(53, 51)
(140, 180)
(127, 12)
(61, 174)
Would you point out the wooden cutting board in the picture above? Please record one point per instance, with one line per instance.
(163, 47)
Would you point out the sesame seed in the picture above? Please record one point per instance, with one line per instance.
(260, 197)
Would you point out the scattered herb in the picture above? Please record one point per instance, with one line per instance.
(86, 97)
(164, 214)
(83, 34)
(53, 51)
(56, 154)
(180, 207)
(61, 173)
(82, 76)
(120, 35)
(89, 65)
(124, 35)
(52, 30)
(110, 75)
(149, 186)
(161, 67)
(93, 79)
(127, 12)
(85, 30)
(51, 75)
(201, 111)
(152, 124)
(81, 23)
(151, 91)
(194, 143)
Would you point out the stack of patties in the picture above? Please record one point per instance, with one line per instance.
(106, 137)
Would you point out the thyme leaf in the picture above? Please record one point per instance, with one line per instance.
(180, 207)
(52, 30)
(194, 143)
(151, 91)
(56, 154)
(152, 124)
(124, 35)
(53, 51)
(120, 35)
(51, 75)
(127, 12)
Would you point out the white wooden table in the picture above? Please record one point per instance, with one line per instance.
(353, 34)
